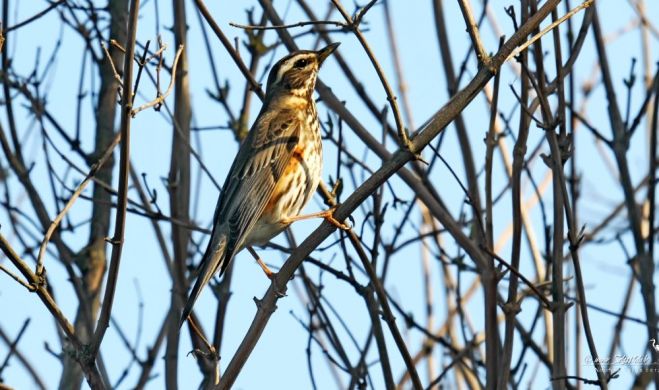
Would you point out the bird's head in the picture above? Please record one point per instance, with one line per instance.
(296, 73)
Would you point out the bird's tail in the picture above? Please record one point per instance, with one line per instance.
(210, 263)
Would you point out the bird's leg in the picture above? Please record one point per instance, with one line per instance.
(328, 215)
(268, 273)
(212, 352)
(264, 267)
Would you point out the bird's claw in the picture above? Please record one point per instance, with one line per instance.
(329, 217)
(275, 288)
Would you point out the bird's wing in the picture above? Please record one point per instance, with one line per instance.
(259, 164)
(255, 171)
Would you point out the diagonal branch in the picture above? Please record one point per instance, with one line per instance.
(394, 164)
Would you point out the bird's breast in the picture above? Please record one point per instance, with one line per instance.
(294, 188)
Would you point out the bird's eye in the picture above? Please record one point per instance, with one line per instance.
(301, 63)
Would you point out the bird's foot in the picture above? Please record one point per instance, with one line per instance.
(328, 215)
(275, 288)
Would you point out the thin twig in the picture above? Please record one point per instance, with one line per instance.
(391, 97)
(229, 48)
(547, 304)
(31, 369)
(13, 344)
(35, 16)
(76, 194)
(472, 29)
(298, 24)
(545, 30)
(17, 278)
(161, 97)
(114, 68)
(40, 289)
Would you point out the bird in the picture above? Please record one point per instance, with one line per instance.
(654, 346)
(275, 172)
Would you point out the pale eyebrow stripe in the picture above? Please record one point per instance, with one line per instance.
(285, 67)
(288, 64)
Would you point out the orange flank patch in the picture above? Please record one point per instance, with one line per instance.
(298, 153)
(285, 183)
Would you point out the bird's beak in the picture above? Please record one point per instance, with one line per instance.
(326, 51)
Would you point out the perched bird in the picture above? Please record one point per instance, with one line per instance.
(275, 172)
